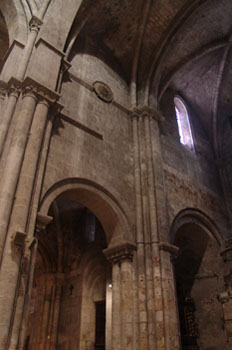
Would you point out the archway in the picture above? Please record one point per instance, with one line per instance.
(70, 281)
(198, 271)
(71, 303)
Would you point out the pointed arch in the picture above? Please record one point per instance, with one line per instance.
(191, 215)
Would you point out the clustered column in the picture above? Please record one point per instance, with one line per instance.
(17, 183)
(151, 223)
(122, 295)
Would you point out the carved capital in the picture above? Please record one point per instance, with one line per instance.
(42, 222)
(120, 253)
(14, 87)
(40, 91)
(146, 112)
(35, 23)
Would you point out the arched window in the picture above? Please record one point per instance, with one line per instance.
(183, 123)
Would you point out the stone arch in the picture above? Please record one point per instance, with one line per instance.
(199, 276)
(15, 18)
(99, 201)
(196, 216)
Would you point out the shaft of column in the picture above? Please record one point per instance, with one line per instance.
(56, 313)
(147, 236)
(29, 167)
(143, 331)
(127, 305)
(34, 24)
(22, 308)
(50, 320)
(158, 293)
(6, 118)
(169, 298)
(13, 163)
(45, 319)
(116, 308)
(8, 186)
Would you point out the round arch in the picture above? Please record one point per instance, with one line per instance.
(99, 201)
(199, 218)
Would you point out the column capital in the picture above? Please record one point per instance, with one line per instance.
(42, 221)
(14, 87)
(35, 23)
(120, 252)
(40, 91)
(145, 111)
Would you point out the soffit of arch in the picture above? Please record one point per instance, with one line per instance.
(16, 20)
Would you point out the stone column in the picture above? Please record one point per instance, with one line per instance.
(34, 27)
(21, 208)
(24, 289)
(10, 173)
(168, 253)
(142, 304)
(44, 335)
(23, 304)
(122, 295)
(15, 82)
(3, 97)
(226, 300)
(225, 297)
(56, 312)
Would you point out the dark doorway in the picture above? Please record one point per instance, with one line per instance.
(100, 325)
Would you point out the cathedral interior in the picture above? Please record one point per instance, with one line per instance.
(115, 175)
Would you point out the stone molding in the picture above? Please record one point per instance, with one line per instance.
(65, 65)
(172, 249)
(120, 253)
(30, 85)
(50, 46)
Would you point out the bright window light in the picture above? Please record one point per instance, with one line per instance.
(183, 123)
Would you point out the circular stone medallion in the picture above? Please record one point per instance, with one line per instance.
(103, 91)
